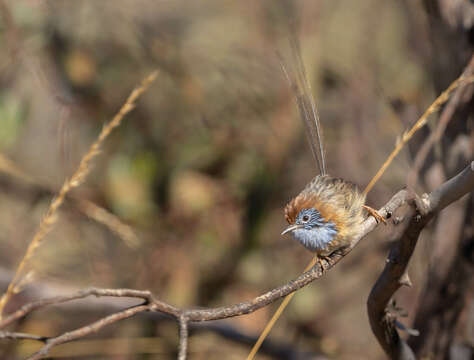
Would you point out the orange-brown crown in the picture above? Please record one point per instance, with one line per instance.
(304, 201)
(298, 203)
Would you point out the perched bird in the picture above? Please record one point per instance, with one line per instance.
(327, 215)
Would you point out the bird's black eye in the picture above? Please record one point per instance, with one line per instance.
(305, 218)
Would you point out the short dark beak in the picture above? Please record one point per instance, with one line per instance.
(292, 228)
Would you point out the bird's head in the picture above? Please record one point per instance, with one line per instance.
(310, 224)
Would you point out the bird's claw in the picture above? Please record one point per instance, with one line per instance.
(322, 258)
(375, 214)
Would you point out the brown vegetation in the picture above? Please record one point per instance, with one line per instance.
(186, 199)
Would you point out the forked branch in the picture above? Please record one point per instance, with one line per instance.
(390, 280)
(394, 275)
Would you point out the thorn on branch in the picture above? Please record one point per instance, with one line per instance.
(397, 220)
(405, 280)
(395, 274)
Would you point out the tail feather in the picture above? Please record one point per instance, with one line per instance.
(306, 105)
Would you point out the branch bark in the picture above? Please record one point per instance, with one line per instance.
(394, 275)
(390, 280)
(183, 337)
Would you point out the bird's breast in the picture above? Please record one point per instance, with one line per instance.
(318, 239)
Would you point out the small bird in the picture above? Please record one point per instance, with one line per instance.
(327, 215)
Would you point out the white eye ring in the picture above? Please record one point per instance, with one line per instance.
(305, 218)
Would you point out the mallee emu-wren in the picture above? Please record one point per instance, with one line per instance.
(327, 215)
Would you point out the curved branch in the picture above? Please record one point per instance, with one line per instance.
(86, 330)
(147, 296)
(394, 274)
(387, 284)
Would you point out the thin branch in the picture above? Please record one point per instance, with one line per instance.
(21, 336)
(152, 304)
(145, 295)
(87, 330)
(392, 278)
(183, 337)
(89, 307)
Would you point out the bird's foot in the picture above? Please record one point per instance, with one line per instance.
(325, 258)
(375, 214)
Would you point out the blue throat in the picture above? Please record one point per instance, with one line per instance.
(316, 233)
(317, 238)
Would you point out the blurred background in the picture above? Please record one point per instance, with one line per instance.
(187, 196)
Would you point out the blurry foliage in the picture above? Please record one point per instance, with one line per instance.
(12, 114)
(204, 165)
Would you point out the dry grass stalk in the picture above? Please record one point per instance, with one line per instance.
(76, 179)
(440, 100)
(87, 207)
(275, 316)
(110, 221)
(8, 167)
(407, 135)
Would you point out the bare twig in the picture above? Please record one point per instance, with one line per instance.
(183, 337)
(89, 307)
(139, 294)
(21, 336)
(391, 279)
(87, 330)
(419, 214)
(191, 315)
(383, 324)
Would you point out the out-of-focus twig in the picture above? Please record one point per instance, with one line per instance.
(440, 100)
(76, 179)
(87, 207)
(443, 122)
(110, 221)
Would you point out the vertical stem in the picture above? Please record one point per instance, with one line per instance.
(183, 337)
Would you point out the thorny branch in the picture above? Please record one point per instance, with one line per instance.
(395, 274)
(383, 325)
